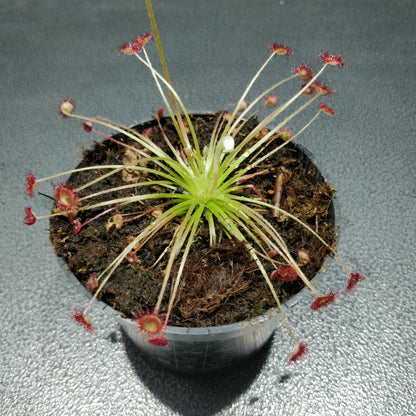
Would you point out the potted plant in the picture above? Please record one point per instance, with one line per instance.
(180, 199)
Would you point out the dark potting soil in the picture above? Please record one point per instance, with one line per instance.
(220, 284)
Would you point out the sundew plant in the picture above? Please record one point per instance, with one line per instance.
(202, 185)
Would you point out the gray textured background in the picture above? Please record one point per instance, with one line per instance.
(362, 358)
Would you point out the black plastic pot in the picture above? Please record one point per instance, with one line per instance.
(196, 350)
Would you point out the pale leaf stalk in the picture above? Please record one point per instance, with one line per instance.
(242, 117)
(129, 186)
(267, 120)
(179, 242)
(231, 165)
(261, 142)
(108, 272)
(294, 218)
(264, 273)
(240, 209)
(272, 116)
(286, 142)
(99, 179)
(282, 245)
(134, 198)
(68, 172)
(181, 132)
(185, 139)
(246, 91)
(271, 288)
(143, 140)
(139, 138)
(194, 222)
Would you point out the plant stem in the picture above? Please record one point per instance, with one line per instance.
(164, 66)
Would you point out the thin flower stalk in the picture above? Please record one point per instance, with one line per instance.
(164, 66)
